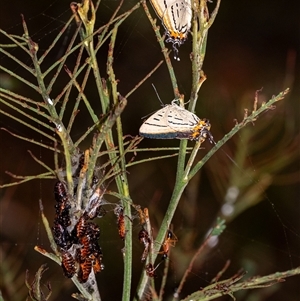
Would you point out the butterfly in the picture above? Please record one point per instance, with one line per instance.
(176, 16)
(175, 122)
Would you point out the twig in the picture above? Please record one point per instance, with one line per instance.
(217, 230)
(46, 175)
(251, 118)
(165, 51)
(229, 286)
(42, 163)
(144, 79)
(30, 140)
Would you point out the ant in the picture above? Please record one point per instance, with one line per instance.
(119, 212)
(169, 241)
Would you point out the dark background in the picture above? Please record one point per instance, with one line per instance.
(252, 44)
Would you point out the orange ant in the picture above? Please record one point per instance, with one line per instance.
(121, 221)
(170, 241)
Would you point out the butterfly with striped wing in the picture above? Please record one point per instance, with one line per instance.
(176, 17)
(175, 122)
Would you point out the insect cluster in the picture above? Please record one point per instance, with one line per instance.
(170, 241)
(77, 240)
(146, 239)
(78, 237)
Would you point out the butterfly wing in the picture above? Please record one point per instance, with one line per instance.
(170, 122)
(181, 121)
(176, 16)
(157, 126)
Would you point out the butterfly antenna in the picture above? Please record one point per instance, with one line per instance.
(212, 141)
(162, 104)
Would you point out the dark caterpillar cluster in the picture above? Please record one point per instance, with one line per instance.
(78, 243)
(78, 237)
(62, 220)
(89, 256)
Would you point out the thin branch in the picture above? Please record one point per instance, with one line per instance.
(229, 286)
(214, 14)
(29, 116)
(86, 102)
(20, 78)
(52, 45)
(248, 119)
(77, 70)
(151, 159)
(165, 51)
(20, 63)
(19, 98)
(49, 234)
(42, 163)
(122, 179)
(144, 79)
(46, 175)
(14, 39)
(30, 140)
(216, 231)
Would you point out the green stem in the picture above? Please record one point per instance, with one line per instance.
(165, 51)
(248, 119)
(123, 177)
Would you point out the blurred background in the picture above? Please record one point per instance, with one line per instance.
(252, 45)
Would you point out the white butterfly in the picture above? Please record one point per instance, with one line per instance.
(173, 121)
(176, 16)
